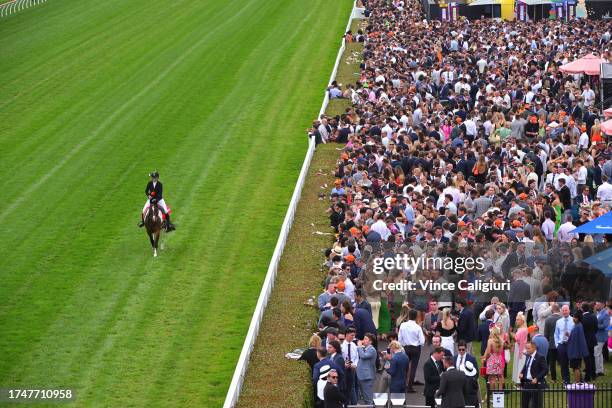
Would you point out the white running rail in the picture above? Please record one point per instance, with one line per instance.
(249, 342)
(6, 9)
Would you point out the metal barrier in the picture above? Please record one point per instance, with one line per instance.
(554, 395)
(243, 361)
(393, 400)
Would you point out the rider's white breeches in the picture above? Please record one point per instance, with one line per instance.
(161, 203)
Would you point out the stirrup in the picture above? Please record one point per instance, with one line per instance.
(141, 224)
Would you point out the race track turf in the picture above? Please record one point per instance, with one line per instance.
(95, 94)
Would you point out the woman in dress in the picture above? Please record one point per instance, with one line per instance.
(447, 329)
(310, 355)
(493, 358)
(520, 339)
(503, 317)
(577, 348)
(558, 207)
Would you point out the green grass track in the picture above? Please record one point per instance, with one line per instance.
(93, 95)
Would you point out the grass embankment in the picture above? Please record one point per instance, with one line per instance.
(214, 94)
(272, 380)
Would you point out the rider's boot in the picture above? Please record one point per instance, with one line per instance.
(141, 223)
(169, 226)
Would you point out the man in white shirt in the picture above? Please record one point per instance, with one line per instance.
(583, 141)
(553, 178)
(482, 64)
(565, 230)
(604, 192)
(580, 175)
(351, 357)
(563, 328)
(492, 306)
(588, 96)
(381, 227)
(470, 127)
(548, 226)
(411, 337)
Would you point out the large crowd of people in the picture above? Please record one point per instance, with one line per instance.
(464, 139)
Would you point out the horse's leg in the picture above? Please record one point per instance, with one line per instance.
(156, 240)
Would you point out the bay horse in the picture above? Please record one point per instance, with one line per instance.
(153, 224)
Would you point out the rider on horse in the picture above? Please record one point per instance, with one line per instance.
(155, 190)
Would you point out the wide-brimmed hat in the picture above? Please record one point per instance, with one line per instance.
(324, 371)
(469, 369)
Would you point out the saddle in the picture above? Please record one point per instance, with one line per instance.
(160, 213)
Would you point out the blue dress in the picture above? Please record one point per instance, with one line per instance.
(576, 344)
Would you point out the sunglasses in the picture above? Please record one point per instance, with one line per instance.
(461, 349)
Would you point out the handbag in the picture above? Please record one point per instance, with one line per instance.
(483, 369)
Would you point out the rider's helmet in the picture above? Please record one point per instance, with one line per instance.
(154, 174)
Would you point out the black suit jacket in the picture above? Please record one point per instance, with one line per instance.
(432, 378)
(580, 199)
(565, 196)
(453, 387)
(468, 357)
(159, 189)
(339, 360)
(483, 335)
(512, 260)
(576, 112)
(539, 369)
(466, 326)
(589, 325)
(333, 397)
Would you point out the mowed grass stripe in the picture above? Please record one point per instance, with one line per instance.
(121, 308)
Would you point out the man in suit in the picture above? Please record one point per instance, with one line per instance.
(332, 396)
(436, 341)
(463, 356)
(466, 324)
(584, 197)
(533, 376)
(432, 319)
(453, 386)
(565, 195)
(520, 292)
(334, 350)
(549, 332)
(563, 329)
(323, 361)
(366, 369)
(319, 373)
(482, 203)
(589, 324)
(484, 330)
(603, 321)
(398, 368)
(432, 370)
(514, 259)
(361, 302)
(576, 111)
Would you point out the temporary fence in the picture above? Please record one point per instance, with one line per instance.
(552, 395)
(243, 361)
